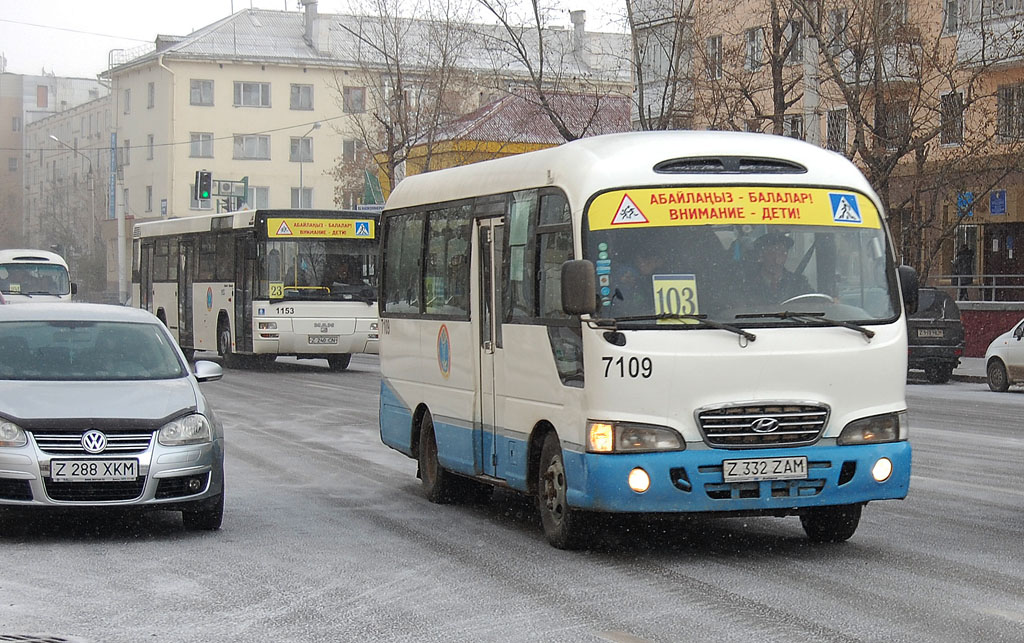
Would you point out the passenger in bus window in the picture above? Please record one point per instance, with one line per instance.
(768, 280)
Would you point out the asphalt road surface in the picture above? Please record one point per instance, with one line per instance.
(327, 538)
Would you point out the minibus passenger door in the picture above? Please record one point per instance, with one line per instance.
(186, 324)
(489, 240)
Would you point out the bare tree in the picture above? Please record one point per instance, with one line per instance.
(661, 49)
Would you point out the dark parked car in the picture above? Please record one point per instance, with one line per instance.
(935, 335)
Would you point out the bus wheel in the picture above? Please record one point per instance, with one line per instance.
(339, 362)
(997, 378)
(831, 524)
(224, 345)
(563, 526)
(437, 483)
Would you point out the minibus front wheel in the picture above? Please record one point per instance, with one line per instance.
(831, 524)
(564, 527)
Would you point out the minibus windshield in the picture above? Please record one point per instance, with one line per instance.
(658, 270)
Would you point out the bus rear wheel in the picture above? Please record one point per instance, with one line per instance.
(438, 484)
(224, 344)
(831, 524)
(564, 526)
(339, 362)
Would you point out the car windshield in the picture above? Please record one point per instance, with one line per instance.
(334, 270)
(34, 279)
(742, 274)
(86, 350)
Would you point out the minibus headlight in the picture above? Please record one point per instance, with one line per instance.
(191, 429)
(267, 325)
(628, 437)
(11, 435)
(878, 428)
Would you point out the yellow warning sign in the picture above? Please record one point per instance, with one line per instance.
(308, 228)
(657, 207)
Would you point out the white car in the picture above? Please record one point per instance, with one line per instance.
(1004, 358)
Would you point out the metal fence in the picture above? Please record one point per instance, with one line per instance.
(980, 287)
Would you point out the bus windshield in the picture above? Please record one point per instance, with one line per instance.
(756, 274)
(34, 279)
(317, 269)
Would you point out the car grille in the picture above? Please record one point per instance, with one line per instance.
(733, 427)
(94, 491)
(70, 443)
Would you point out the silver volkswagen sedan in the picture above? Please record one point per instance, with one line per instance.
(99, 408)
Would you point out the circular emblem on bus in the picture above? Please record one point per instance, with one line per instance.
(209, 298)
(444, 351)
(764, 425)
(94, 441)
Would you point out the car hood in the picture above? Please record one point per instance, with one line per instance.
(151, 399)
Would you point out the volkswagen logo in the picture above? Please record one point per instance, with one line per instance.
(764, 425)
(94, 441)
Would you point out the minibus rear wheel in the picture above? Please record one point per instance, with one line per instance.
(831, 524)
(564, 526)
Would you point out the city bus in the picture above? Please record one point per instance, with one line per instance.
(649, 323)
(256, 284)
(34, 276)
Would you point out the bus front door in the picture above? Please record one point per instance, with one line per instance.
(490, 243)
(186, 325)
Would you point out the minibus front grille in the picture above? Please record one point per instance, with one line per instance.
(762, 425)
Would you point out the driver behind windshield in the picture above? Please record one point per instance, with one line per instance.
(768, 281)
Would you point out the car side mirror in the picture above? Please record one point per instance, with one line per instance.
(909, 288)
(1017, 334)
(579, 287)
(207, 371)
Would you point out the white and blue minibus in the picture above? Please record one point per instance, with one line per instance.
(649, 323)
(34, 276)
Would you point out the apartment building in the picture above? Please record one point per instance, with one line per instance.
(926, 96)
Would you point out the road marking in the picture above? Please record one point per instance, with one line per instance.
(944, 482)
(620, 637)
(1016, 617)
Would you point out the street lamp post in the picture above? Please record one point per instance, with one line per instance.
(316, 126)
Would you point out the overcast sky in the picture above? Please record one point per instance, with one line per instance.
(74, 37)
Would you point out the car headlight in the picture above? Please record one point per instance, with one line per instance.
(628, 437)
(191, 429)
(11, 435)
(878, 428)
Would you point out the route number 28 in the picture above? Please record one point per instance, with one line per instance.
(632, 367)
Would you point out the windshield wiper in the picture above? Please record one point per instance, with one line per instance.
(815, 317)
(702, 320)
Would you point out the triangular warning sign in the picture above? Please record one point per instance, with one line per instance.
(628, 213)
(284, 229)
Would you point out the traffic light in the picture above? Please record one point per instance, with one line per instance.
(204, 184)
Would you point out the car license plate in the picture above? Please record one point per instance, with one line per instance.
(930, 332)
(323, 339)
(94, 470)
(789, 468)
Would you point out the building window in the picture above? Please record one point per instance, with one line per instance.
(952, 118)
(1010, 115)
(755, 49)
(301, 97)
(951, 16)
(353, 99)
(127, 101)
(794, 42)
(252, 94)
(150, 144)
(302, 197)
(197, 204)
(892, 123)
(258, 196)
(836, 130)
(150, 95)
(793, 126)
(124, 203)
(714, 57)
(16, 124)
(838, 23)
(201, 145)
(12, 163)
(42, 96)
(252, 146)
(126, 152)
(200, 92)
(149, 198)
(301, 149)
(351, 149)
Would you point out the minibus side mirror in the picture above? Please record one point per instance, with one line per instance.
(74, 288)
(579, 287)
(909, 288)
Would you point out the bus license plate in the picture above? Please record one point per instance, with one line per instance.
(94, 470)
(323, 339)
(790, 468)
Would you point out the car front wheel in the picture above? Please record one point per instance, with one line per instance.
(207, 516)
(997, 378)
